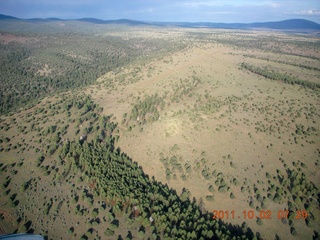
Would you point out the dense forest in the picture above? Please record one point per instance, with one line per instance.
(155, 205)
(126, 192)
(45, 65)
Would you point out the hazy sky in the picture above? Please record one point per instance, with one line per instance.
(166, 10)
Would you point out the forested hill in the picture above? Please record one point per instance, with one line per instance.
(34, 65)
(121, 199)
(290, 24)
(118, 178)
(287, 24)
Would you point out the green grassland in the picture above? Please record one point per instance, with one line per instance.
(220, 120)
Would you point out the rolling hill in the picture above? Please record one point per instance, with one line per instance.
(291, 24)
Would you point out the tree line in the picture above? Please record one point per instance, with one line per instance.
(279, 77)
(125, 186)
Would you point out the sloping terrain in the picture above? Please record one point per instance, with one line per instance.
(45, 63)
(63, 178)
(238, 139)
(222, 127)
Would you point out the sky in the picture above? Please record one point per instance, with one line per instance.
(227, 11)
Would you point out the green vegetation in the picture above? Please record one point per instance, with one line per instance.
(46, 65)
(114, 178)
(270, 74)
(100, 162)
(146, 110)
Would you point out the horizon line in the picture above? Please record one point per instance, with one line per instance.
(151, 21)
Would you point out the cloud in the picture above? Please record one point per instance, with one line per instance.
(225, 12)
(275, 5)
(230, 4)
(308, 12)
(65, 2)
(198, 4)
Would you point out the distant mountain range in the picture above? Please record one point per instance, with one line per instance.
(291, 24)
